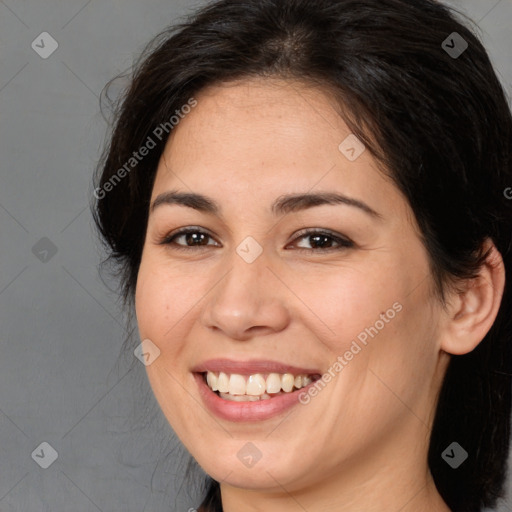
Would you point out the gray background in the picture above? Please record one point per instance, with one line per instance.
(63, 378)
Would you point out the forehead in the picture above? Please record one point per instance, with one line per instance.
(261, 118)
(265, 137)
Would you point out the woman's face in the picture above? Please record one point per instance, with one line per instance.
(250, 293)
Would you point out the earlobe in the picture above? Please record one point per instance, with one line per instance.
(473, 309)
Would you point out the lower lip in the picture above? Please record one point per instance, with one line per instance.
(247, 411)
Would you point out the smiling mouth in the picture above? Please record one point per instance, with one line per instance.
(260, 386)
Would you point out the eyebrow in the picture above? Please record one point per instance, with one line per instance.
(282, 205)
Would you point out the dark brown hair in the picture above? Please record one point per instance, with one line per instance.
(439, 124)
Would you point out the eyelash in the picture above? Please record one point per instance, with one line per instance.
(344, 243)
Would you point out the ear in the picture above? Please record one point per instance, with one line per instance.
(472, 310)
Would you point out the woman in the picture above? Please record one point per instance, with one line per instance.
(306, 202)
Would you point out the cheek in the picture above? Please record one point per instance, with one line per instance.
(379, 319)
(151, 304)
(164, 303)
(345, 302)
(161, 306)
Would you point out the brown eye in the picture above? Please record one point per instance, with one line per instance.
(192, 237)
(322, 241)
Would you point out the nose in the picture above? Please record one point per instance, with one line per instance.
(248, 300)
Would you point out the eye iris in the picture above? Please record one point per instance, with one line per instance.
(195, 237)
(319, 237)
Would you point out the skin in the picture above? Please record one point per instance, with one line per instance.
(362, 442)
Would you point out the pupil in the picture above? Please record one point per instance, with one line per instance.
(191, 237)
(317, 237)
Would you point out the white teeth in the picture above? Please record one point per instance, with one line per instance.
(306, 381)
(236, 384)
(273, 383)
(287, 382)
(239, 398)
(254, 387)
(222, 382)
(212, 379)
(246, 398)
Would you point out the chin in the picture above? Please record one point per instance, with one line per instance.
(239, 469)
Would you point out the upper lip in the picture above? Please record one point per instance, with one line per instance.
(251, 367)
